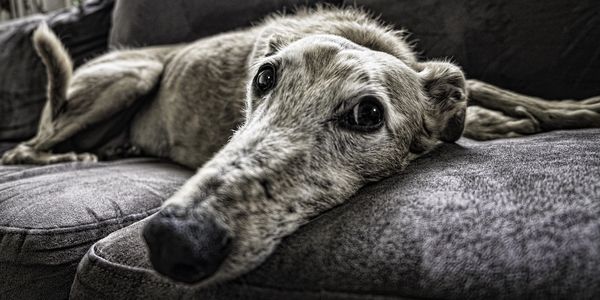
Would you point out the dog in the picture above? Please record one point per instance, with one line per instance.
(284, 120)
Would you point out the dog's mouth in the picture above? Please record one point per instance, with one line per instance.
(194, 247)
(215, 230)
(228, 217)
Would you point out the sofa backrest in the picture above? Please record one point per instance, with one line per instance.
(546, 48)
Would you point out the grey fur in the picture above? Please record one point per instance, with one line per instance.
(59, 70)
(287, 159)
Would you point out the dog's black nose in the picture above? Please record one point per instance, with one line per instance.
(186, 247)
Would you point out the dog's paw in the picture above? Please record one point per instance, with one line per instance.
(87, 157)
(23, 154)
(68, 157)
(485, 124)
(16, 155)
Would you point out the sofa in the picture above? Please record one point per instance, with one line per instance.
(506, 219)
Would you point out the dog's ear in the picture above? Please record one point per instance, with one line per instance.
(270, 42)
(444, 85)
(275, 43)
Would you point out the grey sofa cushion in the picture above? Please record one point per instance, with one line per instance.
(23, 84)
(512, 219)
(51, 215)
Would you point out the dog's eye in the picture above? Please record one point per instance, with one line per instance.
(366, 115)
(265, 79)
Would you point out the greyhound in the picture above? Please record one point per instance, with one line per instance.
(284, 120)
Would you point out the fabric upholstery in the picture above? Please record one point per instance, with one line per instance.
(541, 48)
(51, 215)
(178, 21)
(23, 84)
(510, 219)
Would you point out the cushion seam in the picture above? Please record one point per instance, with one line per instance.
(104, 264)
(76, 228)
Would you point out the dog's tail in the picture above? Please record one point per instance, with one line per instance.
(59, 67)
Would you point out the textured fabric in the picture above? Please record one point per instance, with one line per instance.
(541, 48)
(178, 21)
(23, 84)
(514, 219)
(51, 215)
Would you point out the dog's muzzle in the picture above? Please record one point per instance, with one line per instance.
(185, 246)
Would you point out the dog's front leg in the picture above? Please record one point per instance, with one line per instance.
(498, 113)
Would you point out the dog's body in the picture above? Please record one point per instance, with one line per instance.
(323, 102)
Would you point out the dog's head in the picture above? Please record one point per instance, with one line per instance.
(324, 116)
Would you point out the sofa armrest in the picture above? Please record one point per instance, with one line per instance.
(84, 31)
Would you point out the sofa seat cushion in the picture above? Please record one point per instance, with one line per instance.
(51, 215)
(511, 219)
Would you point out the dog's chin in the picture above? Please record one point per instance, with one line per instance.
(219, 277)
(213, 280)
(229, 270)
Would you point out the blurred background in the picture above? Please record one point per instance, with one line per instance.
(12, 9)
